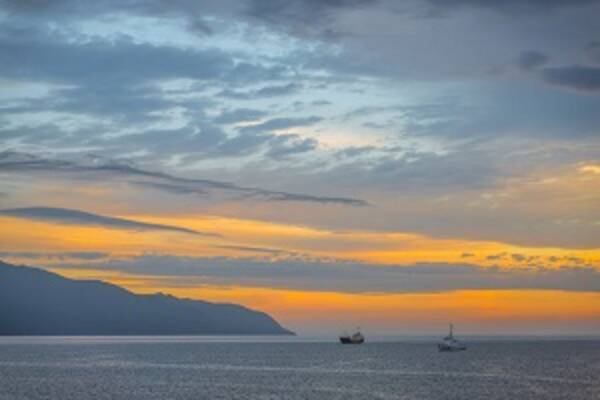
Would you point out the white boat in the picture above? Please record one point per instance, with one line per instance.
(449, 343)
(355, 338)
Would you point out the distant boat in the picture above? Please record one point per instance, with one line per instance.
(449, 343)
(355, 338)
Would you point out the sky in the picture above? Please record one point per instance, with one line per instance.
(335, 163)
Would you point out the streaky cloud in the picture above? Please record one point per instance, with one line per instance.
(301, 272)
(76, 217)
(239, 115)
(531, 59)
(265, 92)
(255, 249)
(34, 255)
(577, 77)
(281, 123)
(171, 188)
(512, 6)
(16, 162)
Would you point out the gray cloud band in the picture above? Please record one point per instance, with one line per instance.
(20, 162)
(353, 277)
(76, 217)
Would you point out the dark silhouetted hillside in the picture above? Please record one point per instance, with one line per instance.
(37, 302)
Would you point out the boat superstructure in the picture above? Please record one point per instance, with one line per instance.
(450, 343)
(355, 338)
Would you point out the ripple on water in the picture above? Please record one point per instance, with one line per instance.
(108, 368)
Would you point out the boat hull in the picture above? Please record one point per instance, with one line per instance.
(444, 347)
(346, 340)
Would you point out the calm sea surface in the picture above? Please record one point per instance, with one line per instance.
(271, 368)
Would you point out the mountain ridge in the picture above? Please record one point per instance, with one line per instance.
(34, 301)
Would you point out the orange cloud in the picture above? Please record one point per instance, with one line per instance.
(240, 237)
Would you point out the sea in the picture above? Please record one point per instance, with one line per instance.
(265, 368)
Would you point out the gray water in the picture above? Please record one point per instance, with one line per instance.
(271, 368)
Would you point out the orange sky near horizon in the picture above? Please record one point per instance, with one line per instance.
(239, 236)
(313, 311)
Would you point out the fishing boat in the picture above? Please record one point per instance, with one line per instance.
(355, 338)
(450, 343)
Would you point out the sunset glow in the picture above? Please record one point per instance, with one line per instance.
(294, 159)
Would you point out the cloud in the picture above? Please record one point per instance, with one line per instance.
(201, 138)
(518, 111)
(531, 59)
(274, 91)
(76, 217)
(300, 16)
(423, 173)
(518, 257)
(276, 124)
(38, 57)
(264, 92)
(304, 17)
(530, 6)
(298, 273)
(121, 102)
(592, 50)
(15, 162)
(254, 249)
(171, 102)
(282, 146)
(124, 84)
(239, 115)
(593, 169)
(496, 257)
(577, 77)
(283, 196)
(171, 188)
(60, 256)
